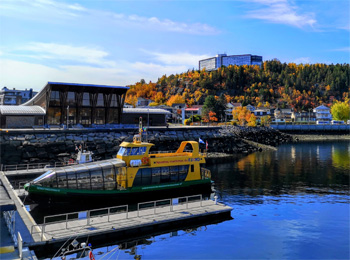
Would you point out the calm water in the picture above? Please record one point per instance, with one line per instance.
(288, 204)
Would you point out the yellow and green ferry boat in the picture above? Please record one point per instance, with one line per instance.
(136, 174)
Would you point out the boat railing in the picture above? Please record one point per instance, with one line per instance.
(35, 166)
(116, 213)
(172, 152)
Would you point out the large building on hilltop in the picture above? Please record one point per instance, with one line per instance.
(224, 60)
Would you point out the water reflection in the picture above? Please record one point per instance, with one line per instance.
(303, 167)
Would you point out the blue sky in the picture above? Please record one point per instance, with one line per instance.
(120, 42)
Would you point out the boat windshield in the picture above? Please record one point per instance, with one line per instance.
(132, 151)
(124, 151)
(44, 176)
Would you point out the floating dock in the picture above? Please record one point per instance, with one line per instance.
(118, 222)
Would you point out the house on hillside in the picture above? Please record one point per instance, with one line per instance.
(250, 108)
(323, 113)
(194, 110)
(143, 102)
(283, 114)
(229, 108)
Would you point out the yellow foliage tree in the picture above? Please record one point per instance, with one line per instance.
(175, 99)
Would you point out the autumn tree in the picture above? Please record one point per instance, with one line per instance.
(340, 111)
(175, 99)
(244, 116)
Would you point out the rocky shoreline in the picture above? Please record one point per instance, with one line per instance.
(309, 137)
(50, 147)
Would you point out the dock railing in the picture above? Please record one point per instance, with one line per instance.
(105, 215)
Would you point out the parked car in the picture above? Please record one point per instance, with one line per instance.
(322, 122)
(337, 122)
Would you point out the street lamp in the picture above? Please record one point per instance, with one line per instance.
(67, 115)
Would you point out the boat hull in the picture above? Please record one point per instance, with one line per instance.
(119, 197)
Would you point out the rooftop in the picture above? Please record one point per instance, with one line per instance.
(22, 110)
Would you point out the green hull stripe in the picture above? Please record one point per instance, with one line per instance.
(62, 192)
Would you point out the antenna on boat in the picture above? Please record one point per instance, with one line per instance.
(138, 138)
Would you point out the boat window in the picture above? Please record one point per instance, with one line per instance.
(47, 180)
(45, 175)
(138, 179)
(61, 179)
(142, 150)
(109, 177)
(83, 179)
(124, 151)
(146, 176)
(165, 175)
(96, 179)
(174, 173)
(155, 175)
(183, 170)
(192, 168)
(71, 179)
(134, 151)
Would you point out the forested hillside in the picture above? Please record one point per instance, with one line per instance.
(274, 83)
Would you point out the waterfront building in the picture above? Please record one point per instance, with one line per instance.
(303, 117)
(224, 60)
(72, 104)
(323, 113)
(150, 116)
(15, 96)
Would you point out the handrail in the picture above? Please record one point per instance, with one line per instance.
(40, 228)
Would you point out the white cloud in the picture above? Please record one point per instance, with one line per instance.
(188, 59)
(345, 49)
(81, 54)
(59, 12)
(283, 12)
(303, 60)
(122, 73)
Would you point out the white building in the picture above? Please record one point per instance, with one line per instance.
(323, 113)
(14, 96)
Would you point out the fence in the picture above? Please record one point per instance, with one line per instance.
(311, 127)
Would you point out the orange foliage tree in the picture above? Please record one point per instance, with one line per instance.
(244, 116)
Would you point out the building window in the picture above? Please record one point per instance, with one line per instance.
(112, 117)
(55, 98)
(71, 98)
(100, 100)
(100, 116)
(86, 99)
(54, 116)
(85, 116)
(114, 102)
